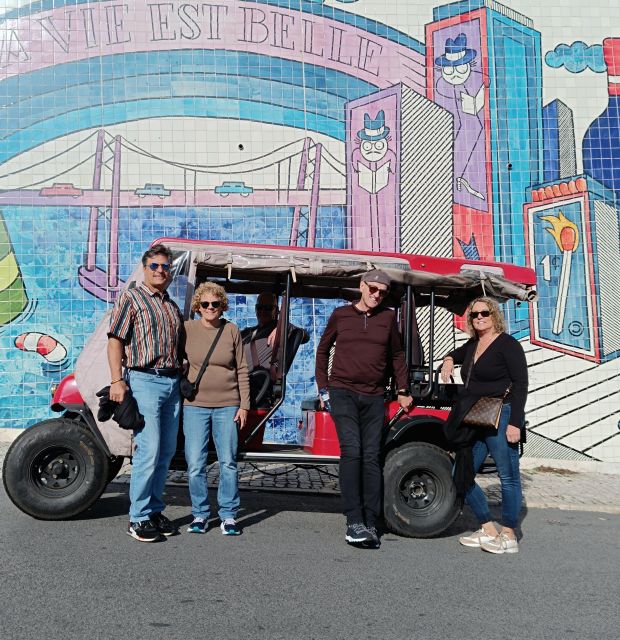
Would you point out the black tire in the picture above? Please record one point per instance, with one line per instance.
(419, 495)
(55, 470)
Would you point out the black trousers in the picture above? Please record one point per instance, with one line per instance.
(359, 422)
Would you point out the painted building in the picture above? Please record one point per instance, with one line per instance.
(469, 128)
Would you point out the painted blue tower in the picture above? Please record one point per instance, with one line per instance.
(510, 60)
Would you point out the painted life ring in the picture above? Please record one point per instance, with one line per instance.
(49, 348)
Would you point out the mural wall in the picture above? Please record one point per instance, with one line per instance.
(473, 129)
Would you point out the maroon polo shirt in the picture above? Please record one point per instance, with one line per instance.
(368, 349)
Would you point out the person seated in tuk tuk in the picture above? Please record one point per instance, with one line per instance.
(259, 342)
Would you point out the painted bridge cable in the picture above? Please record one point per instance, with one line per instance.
(224, 169)
(49, 158)
(137, 149)
(62, 173)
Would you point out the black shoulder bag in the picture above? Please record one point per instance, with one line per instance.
(189, 389)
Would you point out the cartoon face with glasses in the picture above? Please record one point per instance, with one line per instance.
(373, 151)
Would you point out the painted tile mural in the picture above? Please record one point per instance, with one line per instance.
(473, 129)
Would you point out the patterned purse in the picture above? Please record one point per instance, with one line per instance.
(486, 411)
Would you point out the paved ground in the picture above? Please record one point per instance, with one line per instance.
(545, 484)
(291, 576)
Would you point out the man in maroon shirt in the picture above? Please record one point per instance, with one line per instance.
(368, 350)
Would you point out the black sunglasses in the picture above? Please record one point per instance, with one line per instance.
(216, 304)
(372, 290)
(155, 265)
(264, 307)
(475, 314)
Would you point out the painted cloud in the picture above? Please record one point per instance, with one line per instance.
(577, 57)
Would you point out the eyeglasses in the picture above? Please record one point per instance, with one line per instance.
(216, 304)
(155, 265)
(374, 290)
(475, 314)
(264, 307)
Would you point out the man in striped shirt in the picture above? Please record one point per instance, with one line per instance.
(145, 334)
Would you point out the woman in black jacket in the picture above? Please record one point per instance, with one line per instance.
(493, 362)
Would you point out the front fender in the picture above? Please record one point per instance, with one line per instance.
(417, 428)
(83, 413)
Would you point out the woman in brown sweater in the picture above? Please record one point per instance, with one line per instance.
(220, 406)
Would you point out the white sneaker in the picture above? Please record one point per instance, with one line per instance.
(476, 539)
(501, 544)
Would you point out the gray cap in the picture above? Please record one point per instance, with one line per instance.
(378, 276)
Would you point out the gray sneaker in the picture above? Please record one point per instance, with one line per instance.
(501, 544)
(476, 539)
(375, 543)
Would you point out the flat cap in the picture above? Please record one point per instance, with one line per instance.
(376, 275)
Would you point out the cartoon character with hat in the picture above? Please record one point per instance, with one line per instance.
(463, 88)
(373, 162)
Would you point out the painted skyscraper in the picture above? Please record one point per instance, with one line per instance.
(484, 65)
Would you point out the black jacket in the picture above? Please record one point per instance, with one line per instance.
(126, 414)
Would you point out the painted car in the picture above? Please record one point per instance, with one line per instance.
(152, 189)
(237, 188)
(61, 189)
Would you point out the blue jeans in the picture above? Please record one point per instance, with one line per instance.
(506, 457)
(198, 422)
(159, 402)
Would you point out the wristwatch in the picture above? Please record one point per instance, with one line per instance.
(403, 392)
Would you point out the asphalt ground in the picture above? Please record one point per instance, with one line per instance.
(291, 575)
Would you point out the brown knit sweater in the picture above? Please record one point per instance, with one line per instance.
(225, 381)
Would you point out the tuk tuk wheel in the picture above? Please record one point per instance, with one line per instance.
(419, 495)
(55, 469)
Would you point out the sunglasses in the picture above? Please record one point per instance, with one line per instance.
(155, 265)
(216, 305)
(483, 314)
(373, 290)
(264, 307)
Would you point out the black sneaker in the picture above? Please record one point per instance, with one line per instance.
(375, 543)
(143, 531)
(357, 534)
(164, 526)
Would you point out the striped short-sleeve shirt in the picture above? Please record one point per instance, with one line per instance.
(150, 324)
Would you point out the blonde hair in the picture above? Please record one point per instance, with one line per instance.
(496, 315)
(212, 288)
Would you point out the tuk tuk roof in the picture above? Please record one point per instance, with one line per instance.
(333, 273)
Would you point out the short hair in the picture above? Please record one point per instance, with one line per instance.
(212, 288)
(157, 250)
(272, 296)
(496, 315)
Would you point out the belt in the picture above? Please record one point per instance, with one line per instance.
(166, 373)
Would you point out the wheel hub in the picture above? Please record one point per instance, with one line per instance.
(56, 471)
(418, 490)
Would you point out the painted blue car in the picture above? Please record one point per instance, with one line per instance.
(226, 188)
(152, 189)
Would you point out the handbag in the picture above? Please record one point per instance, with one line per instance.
(190, 389)
(486, 411)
